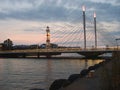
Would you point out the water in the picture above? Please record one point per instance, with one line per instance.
(24, 74)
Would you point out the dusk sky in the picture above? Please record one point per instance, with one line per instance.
(25, 21)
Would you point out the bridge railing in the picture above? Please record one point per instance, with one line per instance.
(70, 49)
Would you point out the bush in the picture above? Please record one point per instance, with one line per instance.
(36, 89)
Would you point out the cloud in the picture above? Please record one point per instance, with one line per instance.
(28, 12)
(118, 2)
(32, 16)
(56, 10)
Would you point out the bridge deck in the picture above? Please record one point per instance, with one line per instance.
(57, 51)
(62, 50)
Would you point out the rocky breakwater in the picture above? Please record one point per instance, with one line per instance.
(78, 81)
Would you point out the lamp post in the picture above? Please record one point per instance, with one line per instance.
(84, 26)
(117, 43)
(95, 30)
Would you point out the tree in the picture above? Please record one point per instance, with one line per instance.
(8, 44)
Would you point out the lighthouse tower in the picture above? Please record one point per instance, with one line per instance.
(48, 37)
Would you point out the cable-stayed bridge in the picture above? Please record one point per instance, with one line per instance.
(87, 38)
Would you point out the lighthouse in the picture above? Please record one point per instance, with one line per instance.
(48, 37)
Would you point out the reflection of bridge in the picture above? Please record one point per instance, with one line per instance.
(56, 51)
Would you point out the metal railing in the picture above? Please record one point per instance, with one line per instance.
(60, 50)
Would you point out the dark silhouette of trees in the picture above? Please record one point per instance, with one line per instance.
(8, 44)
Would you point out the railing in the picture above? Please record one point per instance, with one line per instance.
(59, 50)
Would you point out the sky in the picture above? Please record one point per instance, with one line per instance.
(25, 21)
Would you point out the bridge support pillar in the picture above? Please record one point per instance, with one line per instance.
(38, 55)
(24, 55)
(91, 54)
(48, 56)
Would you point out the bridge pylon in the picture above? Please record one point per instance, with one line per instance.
(95, 30)
(84, 26)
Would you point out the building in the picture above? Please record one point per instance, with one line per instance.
(51, 45)
(1, 46)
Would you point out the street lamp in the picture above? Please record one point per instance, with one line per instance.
(84, 25)
(117, 43)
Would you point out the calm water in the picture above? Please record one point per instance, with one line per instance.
(24, 74)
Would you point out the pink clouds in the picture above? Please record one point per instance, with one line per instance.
(28, 38)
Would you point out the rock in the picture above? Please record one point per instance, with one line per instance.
(73, 77)
(102, 63)
(59, 83)
(36, 89)
(84, 72)
(97, 66)
(91, 74)
(91, 68)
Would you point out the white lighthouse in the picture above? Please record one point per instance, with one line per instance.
(48, 37)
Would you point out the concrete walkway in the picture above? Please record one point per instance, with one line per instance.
(88, 83)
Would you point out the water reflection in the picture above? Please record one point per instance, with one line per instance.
(86, 64)
(24, 74)
(48, 73)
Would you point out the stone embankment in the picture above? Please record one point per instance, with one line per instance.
(94, 78)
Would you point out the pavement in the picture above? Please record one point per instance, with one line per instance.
(88, 83)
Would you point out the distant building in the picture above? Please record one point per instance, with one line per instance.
(20, 47)
(43, 46)
(1, 46)
(51, 45)
(34, 46)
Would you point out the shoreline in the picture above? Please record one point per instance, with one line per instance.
(63, 57)
(86, 83)
(94, 82)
